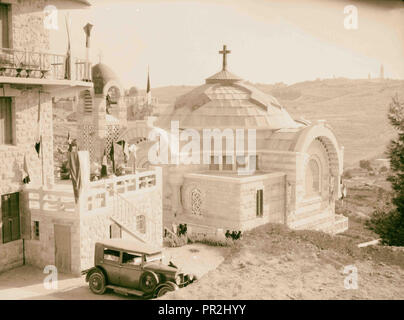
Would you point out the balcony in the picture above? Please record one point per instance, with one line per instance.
(99, 196)
(38, 68)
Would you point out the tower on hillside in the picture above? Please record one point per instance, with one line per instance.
(381, 72)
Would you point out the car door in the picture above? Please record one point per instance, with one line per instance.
(111, 264)
(131, 269)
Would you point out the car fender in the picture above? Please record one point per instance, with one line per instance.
(93, 269)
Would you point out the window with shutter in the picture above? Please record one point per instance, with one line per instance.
(10, 210)
(6, 121)
(4, 26)
(115, 231)
(260, 203)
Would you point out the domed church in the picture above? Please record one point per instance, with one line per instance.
(282, 171)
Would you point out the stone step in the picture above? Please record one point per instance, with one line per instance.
(302, 223)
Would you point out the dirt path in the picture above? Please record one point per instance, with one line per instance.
(27, 282)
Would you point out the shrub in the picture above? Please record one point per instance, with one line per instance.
(182, 229)
(365, 164)
(388, 225)
(175, 242)
(210, 240)
(347, 174)
(235, 235)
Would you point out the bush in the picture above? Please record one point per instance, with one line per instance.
(182, 229)
(175, 242)
(210, 240)
(235, 235)
(389, 225)
(347, 174)
(365, 164)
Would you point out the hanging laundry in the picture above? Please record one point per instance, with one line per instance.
(69, 141)
(74, 167)
(25, 172)
(38, 138)
(104, 163)
(112, 157)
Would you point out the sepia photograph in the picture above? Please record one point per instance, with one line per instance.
(182, 152)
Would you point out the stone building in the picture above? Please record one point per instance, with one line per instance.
(294, 167)
(40, 222)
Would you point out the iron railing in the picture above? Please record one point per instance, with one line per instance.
(29, 64)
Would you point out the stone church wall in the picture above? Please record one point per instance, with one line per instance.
(236, 200)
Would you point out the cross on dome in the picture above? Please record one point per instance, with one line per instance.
(224, 52)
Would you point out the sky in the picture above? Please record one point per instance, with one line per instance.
(270, 40)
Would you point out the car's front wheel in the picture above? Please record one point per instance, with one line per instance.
(167, 287)
(97, 282)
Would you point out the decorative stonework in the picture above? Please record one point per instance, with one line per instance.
(196, 202)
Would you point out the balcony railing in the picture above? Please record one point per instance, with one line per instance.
(29, 64)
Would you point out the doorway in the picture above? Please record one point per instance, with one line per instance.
(62, 248)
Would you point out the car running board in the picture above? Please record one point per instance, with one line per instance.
(125, 291)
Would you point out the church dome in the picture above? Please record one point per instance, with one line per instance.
(133, 91)
(226, 101)
(101, 75)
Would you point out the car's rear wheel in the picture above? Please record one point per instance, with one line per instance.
(148, 282)
(97, 282)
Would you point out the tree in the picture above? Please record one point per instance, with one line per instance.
(365, 164)
(389, 223)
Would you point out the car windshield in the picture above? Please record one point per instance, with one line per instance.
(153, 257)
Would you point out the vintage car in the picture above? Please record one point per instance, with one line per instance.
(132, 267)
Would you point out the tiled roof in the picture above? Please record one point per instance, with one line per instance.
(228, 105)
(223, 76)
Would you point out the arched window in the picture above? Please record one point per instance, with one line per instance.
(312, 178)
(196, 202)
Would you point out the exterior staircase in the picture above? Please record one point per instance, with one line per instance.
(125, 215)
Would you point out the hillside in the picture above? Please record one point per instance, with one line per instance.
(274, 262)
(356, 109)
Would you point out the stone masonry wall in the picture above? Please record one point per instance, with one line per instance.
(25, 114)
(41, 253)
(28, 31)
(25, 109)
(11, 255)
(216, 209)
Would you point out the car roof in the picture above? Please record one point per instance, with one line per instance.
(130, 245)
